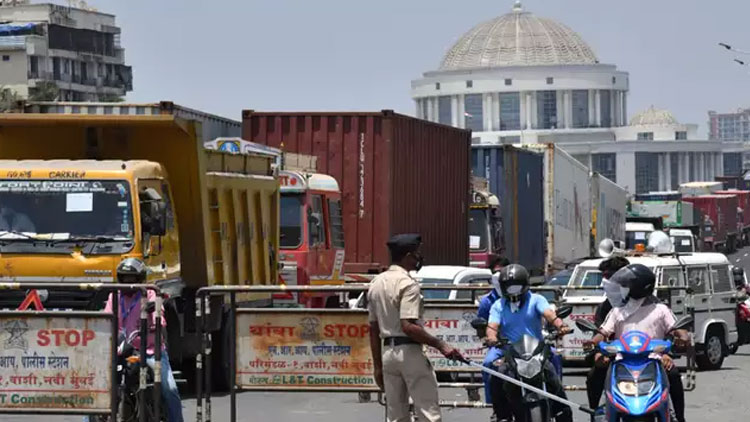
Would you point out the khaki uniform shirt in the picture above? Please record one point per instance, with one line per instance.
(393, 296)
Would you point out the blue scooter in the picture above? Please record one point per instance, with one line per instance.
(637, 388)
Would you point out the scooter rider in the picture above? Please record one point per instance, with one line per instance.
(520, 312)
(643, 312)
(485, 304)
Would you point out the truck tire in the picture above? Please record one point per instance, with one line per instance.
(713, 350)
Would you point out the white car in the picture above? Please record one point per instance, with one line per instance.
(444, 274)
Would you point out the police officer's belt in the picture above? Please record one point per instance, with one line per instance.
(398, 341)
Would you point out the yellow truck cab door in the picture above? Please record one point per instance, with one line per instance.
(160, 253)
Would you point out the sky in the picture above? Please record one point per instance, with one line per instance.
(223, 56)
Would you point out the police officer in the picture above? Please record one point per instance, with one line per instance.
(396, 336)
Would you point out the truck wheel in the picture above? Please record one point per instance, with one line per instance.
(713, 351)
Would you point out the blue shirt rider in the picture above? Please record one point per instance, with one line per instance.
(495, 264)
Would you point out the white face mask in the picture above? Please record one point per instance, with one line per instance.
(615, 293)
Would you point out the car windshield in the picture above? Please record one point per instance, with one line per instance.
(436, 294)
(633, 238)
(585, 277)
(65, 209)
(291, 221)
(478, 229)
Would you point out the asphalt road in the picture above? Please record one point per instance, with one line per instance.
(720, 396)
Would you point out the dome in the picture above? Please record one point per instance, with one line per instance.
(654, 117)
(518, 39)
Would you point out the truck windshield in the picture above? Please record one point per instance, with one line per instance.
(291, 221)
(478, 229)
(65, 209)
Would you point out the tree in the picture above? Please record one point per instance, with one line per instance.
(8, 99)
(44, 91)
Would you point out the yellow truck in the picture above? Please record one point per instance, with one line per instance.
(79, 193)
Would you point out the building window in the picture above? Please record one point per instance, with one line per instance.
(508, 82)
(732, 164)
(444, 110)
(510, 111)
(91, 110)
(6, 58)
(546, 103)
(437, 86)
(550, 81)
(614, 80)
(646, 172)
(674, 171)
(580, 108)
(470, 84)
(680, 135)
(605, 164)
(425, 111)
(692, 162)
(645, 136)
(606, 109)
(473, 112)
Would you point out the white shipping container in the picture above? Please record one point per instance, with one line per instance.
(567, 211)
(608, 202)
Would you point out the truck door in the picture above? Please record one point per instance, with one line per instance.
(723, 299)
(336, 234)
(163, 256)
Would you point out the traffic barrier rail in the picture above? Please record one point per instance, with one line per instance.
(263, 380)
(107, 404)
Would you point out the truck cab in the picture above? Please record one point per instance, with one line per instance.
(637, 233)
(484, 226)
(683, 240)
(312, 236)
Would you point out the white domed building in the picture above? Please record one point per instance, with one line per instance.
(520, 78)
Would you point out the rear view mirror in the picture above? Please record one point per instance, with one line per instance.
(683, 323)
(564, 312)
(586, 326)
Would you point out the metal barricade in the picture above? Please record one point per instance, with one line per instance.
(299, 328)
(55, 384)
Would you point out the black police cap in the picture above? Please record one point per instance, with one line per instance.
(404, 242)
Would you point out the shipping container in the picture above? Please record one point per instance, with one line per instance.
(719, 225)
(567, 204)
(397, 174)
(608, 204)
(515, 176)
(700, 188)
(667, 205)
(211, 125)
(735, 182)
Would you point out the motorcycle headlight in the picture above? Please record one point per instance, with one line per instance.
(529, 368)
(632, 388)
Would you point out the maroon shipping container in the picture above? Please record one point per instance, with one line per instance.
(722, 212)
(397, 174)
(743, 201)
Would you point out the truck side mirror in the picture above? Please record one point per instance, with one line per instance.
(315, 222)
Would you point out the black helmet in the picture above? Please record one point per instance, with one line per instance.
(133, 267)
(514, 282)
(738, 273)
(637, 278)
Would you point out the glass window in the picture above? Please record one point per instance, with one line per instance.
(550, 81)
(478, 229)
(580, 108)
(691, 165)
(470, 84)
(606, 103)
(674, 171)
(722, 282)
(671, 277)
(291, 221)
(645, 136)
(646, 172)
(546, 103)
(473, 110)
(680, 135)
(732, 164)
(586, 277)
(317, 232)
(698, 279)
(444, 110)
(605, 164)
(437, 86)
(472, 294)
(436, 294)
(508, 82)
(510, 111)
(336, 223)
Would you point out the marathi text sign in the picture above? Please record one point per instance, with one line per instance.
(453, 325)
(55, 362)
(304, 349)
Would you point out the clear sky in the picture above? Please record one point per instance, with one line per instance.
(223, 56)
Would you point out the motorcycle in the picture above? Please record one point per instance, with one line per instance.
(526, 360)
(637, 387)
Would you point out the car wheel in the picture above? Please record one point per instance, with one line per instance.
(713, 351)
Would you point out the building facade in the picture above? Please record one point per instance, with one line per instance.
(77, 50)
(520, 78)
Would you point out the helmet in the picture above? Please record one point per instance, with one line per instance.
(739, 276)
(637, 279)
(514, 282)
(132, 267)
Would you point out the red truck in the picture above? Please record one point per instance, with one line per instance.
(397, 174)
(743, 214)
(719, 225)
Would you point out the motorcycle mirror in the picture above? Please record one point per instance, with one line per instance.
(478, 323)
(683, 323)
(564, 312)
(586, 326)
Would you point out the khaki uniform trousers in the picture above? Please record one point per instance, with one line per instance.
(408, 373)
